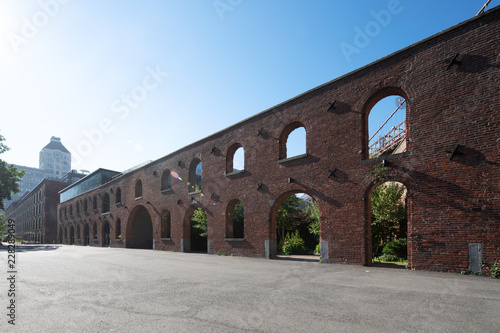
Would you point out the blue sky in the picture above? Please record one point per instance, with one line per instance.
(123, 82)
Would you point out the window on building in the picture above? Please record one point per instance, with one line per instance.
(165, 224)
(235, 160)
(195, 176)
(118, 229)
(138, 188)
(94, 203)
(105, 203)
(235, 220)
(293, 141)
(118, 196)
(166, 180)
(94, 229)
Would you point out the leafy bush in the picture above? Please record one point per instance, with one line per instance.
(495, 270)
(318, 249)
(397, 248)
(293, 244)
(388, 257)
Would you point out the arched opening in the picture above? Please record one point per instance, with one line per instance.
(235, 220)
(85, 206)
(118, 229)
(165, 224)
(195, 176)
(77, 208)
(138, 188)
(388, 224)
(71, 235)
(78, 232)
(295, 226)
(94, 203)
(195, 230)
(86, 234)
(139, 229)
(105, 203)
(166, 180)
(106, 241)
(235, 160)
(293, 141)
(94, 231)
(118, 196)
(387, 131)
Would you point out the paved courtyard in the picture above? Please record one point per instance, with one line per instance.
(87, 289)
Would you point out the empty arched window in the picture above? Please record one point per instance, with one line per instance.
(235, 220)
(85, 206)
(77, 208)
(94, 230)
(293, 141)
(166, 180)
(78, 232)
(235, 160)
(118, 196)
(94, 203)
(138, 188)
(195, 176)
(105, 203)
(118, 229)
(387, 132)
(165, 224)
(71, 210)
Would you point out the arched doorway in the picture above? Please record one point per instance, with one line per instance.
(295, 225)
(86, 234)
(139, 229)
(105, 234)
(387, 225)
(195, 237)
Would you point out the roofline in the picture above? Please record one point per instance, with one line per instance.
(87, 176)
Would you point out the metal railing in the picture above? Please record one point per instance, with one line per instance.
(388, 141)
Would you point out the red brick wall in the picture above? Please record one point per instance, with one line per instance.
(451, 202)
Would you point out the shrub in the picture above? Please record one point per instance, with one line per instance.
(397, 248)
(293, 244)
(495, 270)
(318, 249)
(388, 257)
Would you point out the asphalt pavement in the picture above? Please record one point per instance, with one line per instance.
(89, 289)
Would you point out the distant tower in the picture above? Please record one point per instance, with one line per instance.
(55, 159)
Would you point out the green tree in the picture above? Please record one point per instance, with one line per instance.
(199, 221)
(9, 177)
(291, 217)
(313, 210)
(389, 215)
(3, 226)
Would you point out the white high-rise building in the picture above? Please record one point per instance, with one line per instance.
(55, 159)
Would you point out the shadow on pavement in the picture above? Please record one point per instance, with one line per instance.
(310, 258)
(389, 265)
(30, 248)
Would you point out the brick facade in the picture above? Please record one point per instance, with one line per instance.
(35, 213)
(450, 167)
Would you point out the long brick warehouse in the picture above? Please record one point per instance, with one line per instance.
(450, 166)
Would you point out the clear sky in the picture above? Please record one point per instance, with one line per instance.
(123, 82)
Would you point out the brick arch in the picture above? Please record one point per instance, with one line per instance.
(276, 206)
(399, 178)
(370, 101)
(186, 245)
(139, 230)
(283, 137)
